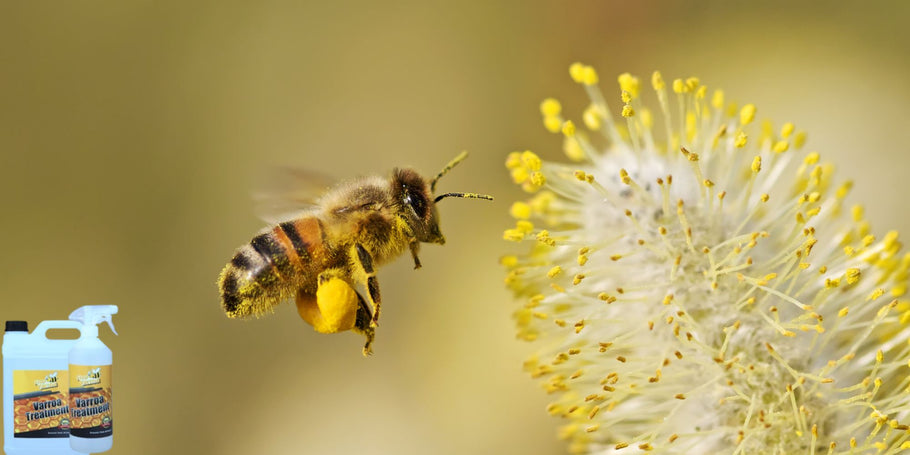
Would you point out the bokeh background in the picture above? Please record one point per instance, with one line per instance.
(130, 133)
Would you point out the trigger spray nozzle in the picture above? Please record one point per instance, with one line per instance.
(91, 315)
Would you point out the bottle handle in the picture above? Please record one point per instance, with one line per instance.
(44, 326)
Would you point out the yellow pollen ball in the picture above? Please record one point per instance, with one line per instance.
(627, 111)
(556, 270)
(568, 128)
(756, 164)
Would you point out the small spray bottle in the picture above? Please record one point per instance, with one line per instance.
(90, 361)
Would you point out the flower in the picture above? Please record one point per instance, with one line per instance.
(693, 284)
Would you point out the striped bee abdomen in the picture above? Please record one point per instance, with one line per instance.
(270, 268)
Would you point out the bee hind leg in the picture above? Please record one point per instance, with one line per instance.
(362, 325)
(366, 263)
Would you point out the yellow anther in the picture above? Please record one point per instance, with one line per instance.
(544, 237)
(657, 81)
(520, 210)
(717, 100)
(550, 107)
(580, 175)
(852, 275)
(740, 140)
(519, 174)
(800, 139)
(556, 270)
(646, 118)
(590, 76)
(626, 97)
(591, 118)
(509, 261)
(702, 92)
(708, 183)
(624, 176)
(577, 279)
(679, 86)
(692, 83)
(786, 130)
(577, 72)
(537, 179)
(843, 312)
(811, 158)
(781, 146)
(530, 160)
(513, 160)
(857, 211)
(756, 164)
(627, 111)
(629, 83)
(513, 235)
(868, 240)
(747, 114)
(572, 148)
(876, 294)
(553, 124)
(524, 226)
(568, 128)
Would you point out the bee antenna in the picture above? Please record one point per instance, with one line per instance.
(463, 195)
(461, 156)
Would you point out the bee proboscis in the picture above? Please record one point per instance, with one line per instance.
(321, 256)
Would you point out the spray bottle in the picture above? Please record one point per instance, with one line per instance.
(90, 361)
(36, 415)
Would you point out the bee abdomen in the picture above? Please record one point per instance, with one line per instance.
(268, 269)
(256, 276)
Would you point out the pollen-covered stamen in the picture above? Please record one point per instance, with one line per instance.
(654, 317)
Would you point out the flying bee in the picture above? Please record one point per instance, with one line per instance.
(320, 256)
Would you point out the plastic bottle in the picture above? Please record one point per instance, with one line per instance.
(36, 417)
(90, 362)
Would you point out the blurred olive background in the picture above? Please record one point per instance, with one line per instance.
(130, 133)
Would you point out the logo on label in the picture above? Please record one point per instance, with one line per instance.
(49, 382)
(93, 377)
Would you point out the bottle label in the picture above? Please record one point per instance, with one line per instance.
(90, 401)
(41, 408)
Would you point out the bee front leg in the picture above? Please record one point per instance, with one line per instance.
(366, 263)
(415, 247)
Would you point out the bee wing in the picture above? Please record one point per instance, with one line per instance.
(286, 192)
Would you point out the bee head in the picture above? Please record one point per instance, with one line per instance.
(418, 209)
(416, 196)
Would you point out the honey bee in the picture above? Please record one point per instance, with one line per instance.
(320, 256)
